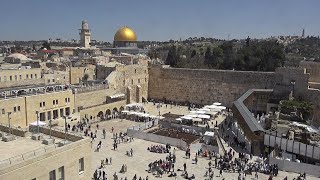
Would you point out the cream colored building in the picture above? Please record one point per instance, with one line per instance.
(20, 77)
(33, 160)
(49, 105)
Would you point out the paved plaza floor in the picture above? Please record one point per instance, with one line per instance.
(138, 164)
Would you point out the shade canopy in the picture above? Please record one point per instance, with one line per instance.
(203, 116)
(217, 103)
(200, 112)
(197, 120)
(186, 117)
(40, 123)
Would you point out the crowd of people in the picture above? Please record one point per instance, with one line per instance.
(159, 148)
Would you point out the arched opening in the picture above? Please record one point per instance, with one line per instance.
(100, 115)
(121, 108)
(115, 112)
(108, 112)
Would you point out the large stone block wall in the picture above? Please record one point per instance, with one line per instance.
(92, 98)
(206, 86)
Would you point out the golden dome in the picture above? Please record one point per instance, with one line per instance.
(125, 34)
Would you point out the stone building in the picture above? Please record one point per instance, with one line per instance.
(20, 77)
(31, 159)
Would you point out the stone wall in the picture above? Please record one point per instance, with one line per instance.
(77, 73)
(205, 86)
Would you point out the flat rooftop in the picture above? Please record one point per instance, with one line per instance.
(20, 146)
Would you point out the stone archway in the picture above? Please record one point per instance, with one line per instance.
(115, 112)
(100, 115)
(121, 109)
(108, 112)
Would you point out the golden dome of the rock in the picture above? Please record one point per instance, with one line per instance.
(125, 34)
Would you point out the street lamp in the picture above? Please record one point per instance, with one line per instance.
(38, 128)
(65, 129)
(50, 126)
(9, 122)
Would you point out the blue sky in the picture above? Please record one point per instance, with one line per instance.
(158, 19)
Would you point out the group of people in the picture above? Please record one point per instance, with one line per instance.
(158, 149)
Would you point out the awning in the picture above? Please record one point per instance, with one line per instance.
(217, 103)
(40, 123)
(117, 96)
(134, 105)
(192, 115)
(204, 109)
(186, 117)
(197, 120)
(124, 111)
(200, 112)
(203, 116)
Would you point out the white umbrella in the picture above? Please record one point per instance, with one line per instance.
(217, 103)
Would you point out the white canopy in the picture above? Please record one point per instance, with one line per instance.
(124, 111)
(204, 109)
(211, 106)
(117, 96)
(132, 112)
(197, 120)
(217, 103)
(152, 116)
(40, 123)
(134, 105)
(193, 112)
(221, 107)
(203, 116)
(200, 112)
(186, 117)
(209, 133)
(179, 119)
(192, 115)
(213, 113)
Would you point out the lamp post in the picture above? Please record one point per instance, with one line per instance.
(38, 128)
(50, 127)
(65, 129)
(9, 122)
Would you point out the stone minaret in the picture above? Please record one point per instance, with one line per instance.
(85, 35)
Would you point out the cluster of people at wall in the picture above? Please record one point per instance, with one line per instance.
(159, 148)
